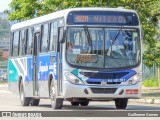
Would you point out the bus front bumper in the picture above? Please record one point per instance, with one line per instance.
(99, 91)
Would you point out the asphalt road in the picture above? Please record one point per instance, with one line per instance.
(11, 102)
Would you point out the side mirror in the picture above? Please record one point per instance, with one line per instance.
(61, 35)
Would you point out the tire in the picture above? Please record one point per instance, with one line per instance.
(25, 101)
(75, 103)
(84, 103)
(35, 102)
(56, 103)
(121, 103)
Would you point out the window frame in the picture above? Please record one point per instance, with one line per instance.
(42, 37)
(55, 41)
(22, 45)
(11, 44)
(27, 41)
(17, 54)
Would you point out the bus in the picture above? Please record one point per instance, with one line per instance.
(78, 55)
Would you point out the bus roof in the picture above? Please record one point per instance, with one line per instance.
(60, 14)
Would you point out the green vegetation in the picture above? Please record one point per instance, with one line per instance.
(148, 10)
(151, 82)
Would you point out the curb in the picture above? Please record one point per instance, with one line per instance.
(146, 100)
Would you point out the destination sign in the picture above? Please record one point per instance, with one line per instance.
(120, 18)
(86, 58)
(102, 19)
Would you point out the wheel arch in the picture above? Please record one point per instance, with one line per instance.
(20, 79)
(50, 79)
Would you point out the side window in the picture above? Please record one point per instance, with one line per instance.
(44, 41)
(22, 43)
(11, 45)
(29, 42)
(15, 43)
(53, 36)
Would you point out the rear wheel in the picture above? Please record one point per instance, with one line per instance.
(121, 103)
(35, 102)
(84, 103)
(25, 101)
(75, 103)
(56, 103)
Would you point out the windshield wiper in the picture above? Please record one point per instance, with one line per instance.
(88, 37)
(116, 35)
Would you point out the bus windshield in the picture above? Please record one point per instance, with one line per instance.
(98, 48)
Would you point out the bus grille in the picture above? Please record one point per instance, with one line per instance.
(108, 83)
(103, 90)
(102, 76)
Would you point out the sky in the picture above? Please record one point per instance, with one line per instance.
(4, 4)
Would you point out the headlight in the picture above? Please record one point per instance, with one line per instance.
(72, 78)
(133, 79)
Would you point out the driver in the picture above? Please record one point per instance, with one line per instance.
(69, 47)
(116, 47)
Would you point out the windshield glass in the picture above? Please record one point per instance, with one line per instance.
(98, 48)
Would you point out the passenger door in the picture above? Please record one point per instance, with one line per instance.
(59, 64)
(59, 56)
(36, 43)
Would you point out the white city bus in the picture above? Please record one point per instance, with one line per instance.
(78, 55)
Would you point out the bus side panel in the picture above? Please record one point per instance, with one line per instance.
(28, 77)
(47, 64)
(12, 77)
(16, 69)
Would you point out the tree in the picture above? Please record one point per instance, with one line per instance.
(148, 11)
(24, 9)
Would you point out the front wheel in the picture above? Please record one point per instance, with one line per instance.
(84, 103)
(121, 103)
(35, 102)
(25, 101)
(75, 103)
(56, 103)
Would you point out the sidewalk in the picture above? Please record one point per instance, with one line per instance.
(150, 95)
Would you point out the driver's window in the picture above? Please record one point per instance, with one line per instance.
(80, 44)
(76, 38)
(114, 46)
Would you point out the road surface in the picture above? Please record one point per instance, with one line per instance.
(11, 102)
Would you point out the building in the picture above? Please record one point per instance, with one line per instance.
(4, 47)
(4, 44)
(3, 67)
(4, 50)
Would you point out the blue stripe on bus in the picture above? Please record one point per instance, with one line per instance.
(45, 67)
(122, 79)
